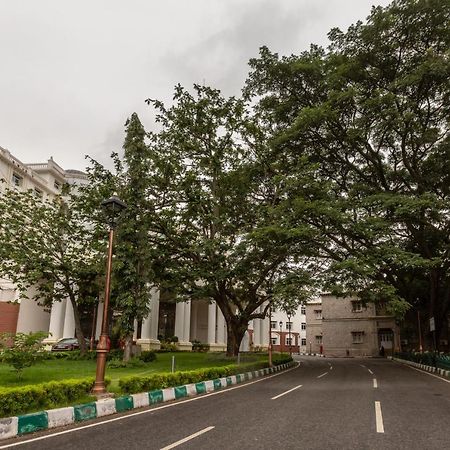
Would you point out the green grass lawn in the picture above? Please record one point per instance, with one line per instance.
(60, 369)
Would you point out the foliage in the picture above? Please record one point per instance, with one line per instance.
(131, 385)
(48, 250)
(219, 231)
(21, 350)
(132, 269)
(120, 364)
(168, 347)
(197, 346)
(37, 397)
(147, 356)
(372, 112)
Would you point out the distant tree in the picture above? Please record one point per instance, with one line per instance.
(47, 245)
(373, 113)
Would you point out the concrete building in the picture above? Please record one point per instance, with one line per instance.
(346, 327)
(46, 181)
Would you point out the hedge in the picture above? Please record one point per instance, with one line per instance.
(136, 384)
(19, 400)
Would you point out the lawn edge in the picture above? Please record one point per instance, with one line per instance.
(11, 427)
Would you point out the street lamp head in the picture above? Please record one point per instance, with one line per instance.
(113, 206)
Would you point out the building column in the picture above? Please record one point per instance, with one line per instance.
(183, 325)
(98, 325)
(69, 321)
(56, 326)
(221, 331)
(212, 323)
(265, 330)
(149, 332)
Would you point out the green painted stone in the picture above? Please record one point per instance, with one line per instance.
(238, 379)
(85, 412)
(200, 388)
(217, 384)
(255, 374)
(180, 391)
(246, 377)
(32, 422)
(124, 403)
(229, 381)
(155, 397)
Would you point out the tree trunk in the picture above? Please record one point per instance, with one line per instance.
(128, 347)
(236, 329)
(78, 330)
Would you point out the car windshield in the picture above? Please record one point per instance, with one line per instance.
(67, 341)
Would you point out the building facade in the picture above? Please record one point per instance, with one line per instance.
(347, 327)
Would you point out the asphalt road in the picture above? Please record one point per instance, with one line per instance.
(322, 404)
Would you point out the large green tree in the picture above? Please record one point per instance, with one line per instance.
(221, 232)
(48, 245)
(132, 276)
(373, 112)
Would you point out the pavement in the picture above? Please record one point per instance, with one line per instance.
(322, 404)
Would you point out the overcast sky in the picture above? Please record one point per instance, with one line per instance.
(71, 72)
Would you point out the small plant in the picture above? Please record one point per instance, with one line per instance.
(21, 350)
(147, 356)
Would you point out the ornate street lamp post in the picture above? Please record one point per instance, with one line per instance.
(112, 206)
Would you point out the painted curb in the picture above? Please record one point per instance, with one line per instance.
(437, 370)
(29, 423)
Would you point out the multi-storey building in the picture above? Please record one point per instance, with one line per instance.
(347, 327)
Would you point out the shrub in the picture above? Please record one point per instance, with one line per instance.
(147, 356)
(119, 364)
(168, 347)
(197, 346)
(21, 350)
(20, 400)
(135, 384)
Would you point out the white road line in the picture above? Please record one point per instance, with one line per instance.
(362, 365)
(426, 373)
(287, 392)
(188, 438)
(320, 376)
(147, 411)
(375, 384)
(331, 367)
(371, 373)
(379, 418)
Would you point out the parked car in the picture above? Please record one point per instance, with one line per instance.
(67, 344)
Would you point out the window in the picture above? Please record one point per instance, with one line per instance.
(273, 324)
(16, 179)
(358, 337)
(303, 341)
(288, 325)
(318, 313)
(288, 341)
(37, 193)
(303, 310)
(273, 341)
(57, 185)
(356, 306)
(303, 326)
(319, 340)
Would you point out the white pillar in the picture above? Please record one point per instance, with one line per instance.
(56, 326)
(149, 331)
(212, 323)
(154, 315)
(187, 322)
(221, 329)
(69, 321)
(257, 330)
(179, 321)
(265, 328)
(98, 324)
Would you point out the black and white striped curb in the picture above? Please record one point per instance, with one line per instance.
(52, 418)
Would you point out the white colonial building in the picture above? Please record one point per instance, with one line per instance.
(196, 321)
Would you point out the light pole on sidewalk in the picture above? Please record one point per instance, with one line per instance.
(281, 336)
(112, 206)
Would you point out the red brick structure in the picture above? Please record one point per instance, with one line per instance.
(9, 313)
